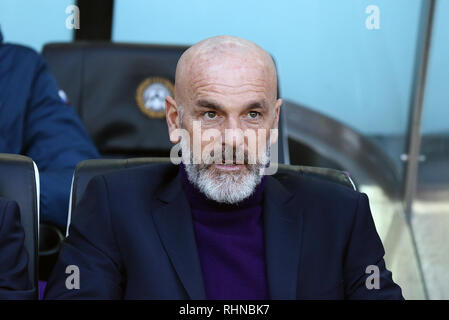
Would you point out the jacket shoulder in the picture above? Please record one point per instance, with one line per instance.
(318, 191)
(20, 52)
(145, 178)
(329, 208)
(313, 180)
(154, 169)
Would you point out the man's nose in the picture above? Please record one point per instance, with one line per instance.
(233, 123)
(233, 132)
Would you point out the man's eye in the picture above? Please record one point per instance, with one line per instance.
(210, 115)
(253, 114)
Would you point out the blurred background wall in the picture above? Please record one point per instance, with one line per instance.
(320, 46)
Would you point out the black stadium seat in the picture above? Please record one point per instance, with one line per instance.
(86, 170)
(118, 91)
(19, 181)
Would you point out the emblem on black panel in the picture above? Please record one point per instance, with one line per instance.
(151, 95)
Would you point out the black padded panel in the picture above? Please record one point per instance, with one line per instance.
(65, 62)
(86, 170)
(18, 183)
(101, 80)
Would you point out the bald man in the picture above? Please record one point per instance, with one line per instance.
(219, 224)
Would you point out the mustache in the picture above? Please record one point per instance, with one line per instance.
(224, 154)
(229, 156)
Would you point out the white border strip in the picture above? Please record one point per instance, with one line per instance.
(352, 182)
(38, 195)
(69, 215)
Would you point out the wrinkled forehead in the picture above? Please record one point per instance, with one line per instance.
(229, 50)
(229, 70)
(227, 64)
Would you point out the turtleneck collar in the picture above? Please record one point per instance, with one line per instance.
(230, 243)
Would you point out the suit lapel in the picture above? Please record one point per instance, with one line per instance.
(174, 223)
(282, 227)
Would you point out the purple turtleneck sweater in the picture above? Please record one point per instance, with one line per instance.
(230, 244)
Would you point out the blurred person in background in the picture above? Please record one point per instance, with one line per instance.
(36, 121)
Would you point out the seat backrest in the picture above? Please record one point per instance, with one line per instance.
(118, 91)
(19, 181)
(87, 169)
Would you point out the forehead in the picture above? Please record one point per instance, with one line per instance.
(230, 77)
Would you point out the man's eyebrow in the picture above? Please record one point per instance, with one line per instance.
(209, 104)
(257, 105)
(215, 106)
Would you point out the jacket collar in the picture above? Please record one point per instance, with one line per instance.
(173, 220)
(282, 229)
(283, 235)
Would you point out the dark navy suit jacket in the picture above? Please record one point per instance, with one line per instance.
(14, 279)
(132, 237)
(36, 122)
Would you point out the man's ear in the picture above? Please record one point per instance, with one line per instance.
(172, 117)
(277, 108)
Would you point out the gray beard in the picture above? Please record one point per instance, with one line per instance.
(226, 187)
